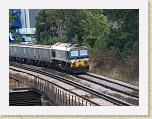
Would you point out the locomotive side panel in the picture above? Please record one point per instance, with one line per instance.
(59, 55)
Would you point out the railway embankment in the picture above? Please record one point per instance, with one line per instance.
(115, 67)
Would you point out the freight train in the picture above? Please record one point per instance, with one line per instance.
(63, 56)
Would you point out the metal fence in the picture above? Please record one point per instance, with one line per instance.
(57, 95)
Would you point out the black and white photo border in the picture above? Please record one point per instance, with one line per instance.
(142, 109)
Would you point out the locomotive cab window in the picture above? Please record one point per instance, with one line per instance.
(83, 52)
(74, 53)
(53, 53)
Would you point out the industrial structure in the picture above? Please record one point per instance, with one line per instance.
(24, 23)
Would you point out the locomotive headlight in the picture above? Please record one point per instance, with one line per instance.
(86, 61)
(72, 61)
(73, 64)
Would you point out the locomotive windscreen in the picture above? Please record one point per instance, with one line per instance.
(83, 52)
(74, 53)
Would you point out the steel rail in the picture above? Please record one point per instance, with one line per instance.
(114, 81)
(109, 87)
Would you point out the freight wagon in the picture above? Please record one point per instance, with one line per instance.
(64, 56)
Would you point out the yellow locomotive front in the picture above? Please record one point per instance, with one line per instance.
(79, 60)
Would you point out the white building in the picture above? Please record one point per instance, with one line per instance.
(27, 18)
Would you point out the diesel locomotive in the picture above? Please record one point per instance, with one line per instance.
(63, 56)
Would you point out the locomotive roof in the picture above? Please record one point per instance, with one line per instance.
(66, 46)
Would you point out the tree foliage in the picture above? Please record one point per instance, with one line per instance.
(96, 28)
(124, 39)
(59, 23)
(115, 31)
(11, 20)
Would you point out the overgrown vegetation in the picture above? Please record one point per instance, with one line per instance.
(114, 32)
(11, 20)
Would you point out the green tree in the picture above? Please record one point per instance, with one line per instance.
(116, 31)
(46, 25)
(96, 27)
(72, 22)
(11, 20)
(124, 37)
(58, 23)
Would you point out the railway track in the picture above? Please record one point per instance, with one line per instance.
(79, 86)
(114, 85)
(111, 84)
